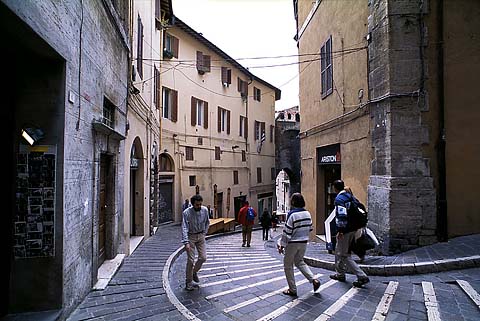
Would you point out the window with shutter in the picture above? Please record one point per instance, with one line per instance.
(140, 47)
(156, 84)
(193, 114)
(257, 94)
(226, 76)
(326, 68)
(259, 174)
(244, 156)
(235, 177)
(217, 153)
(169, 104)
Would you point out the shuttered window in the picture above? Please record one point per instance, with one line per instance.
(199, 113)
(217, 153)
(170, 104)
(326, 68)
(156, 84)
(242, 87)
(170, 46)
(235, 177)
(140, 47)
(257, 94)
(244, 156)
(223, 120)
(226, 76)
(203, 63)
(259, 174)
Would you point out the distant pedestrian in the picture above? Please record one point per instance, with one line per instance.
(266, 222)
(195, 225)
(346, 229)
(210, 212)
(247, 224)
(185, 205)
(293, 243)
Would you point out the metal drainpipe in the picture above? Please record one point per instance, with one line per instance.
(442, 218)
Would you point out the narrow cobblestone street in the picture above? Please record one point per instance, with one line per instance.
(245, 284)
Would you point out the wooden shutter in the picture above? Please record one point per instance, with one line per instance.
(174, 106)
(263, 130)
(175, 46)
(205, 109)
(239, 84)
(246, 127)
(272, 128)
(219, 119)
(194, 111)
(255, 131)
(229, 76)
(240, 127)
(228, 122)
(224, 75)
(206, 63)
(200, 61)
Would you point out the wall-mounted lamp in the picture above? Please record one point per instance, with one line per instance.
(32, 135)
(235, 146)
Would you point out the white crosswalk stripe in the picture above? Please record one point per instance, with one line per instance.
(240, 288)
(470, 291)
(239, 271)
(384, 305)
(265, 262)
(340, 303)
(236, 261)
(239, 278)
(433, 314)
(278, 312)
(264, 296)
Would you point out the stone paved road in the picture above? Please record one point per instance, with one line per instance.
(246, 283)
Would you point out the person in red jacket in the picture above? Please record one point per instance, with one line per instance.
(246, 223)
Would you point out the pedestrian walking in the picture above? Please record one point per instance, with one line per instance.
(210, 212)
(195, 225)
(185, 205)
(245, 218)
(266, 222)
(293, 244)
(346, 229)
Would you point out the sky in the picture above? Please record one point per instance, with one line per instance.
(250, 29)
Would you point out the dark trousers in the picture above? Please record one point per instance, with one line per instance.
(265, 232)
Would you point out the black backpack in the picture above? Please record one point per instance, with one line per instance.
(357, 214)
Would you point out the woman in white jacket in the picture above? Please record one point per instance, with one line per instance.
(293, 243)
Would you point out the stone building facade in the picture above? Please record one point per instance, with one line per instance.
(393, 98)
(65, 214)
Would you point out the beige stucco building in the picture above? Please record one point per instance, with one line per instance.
(214, 112)
(149, 19)
(387, 105)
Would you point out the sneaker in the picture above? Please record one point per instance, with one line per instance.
(195, 277)
(316, 285)
(243, 244)
(338, 277)
(361, 281)
(248, 245)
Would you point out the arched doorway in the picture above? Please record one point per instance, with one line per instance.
(166, 191)
(136, 189)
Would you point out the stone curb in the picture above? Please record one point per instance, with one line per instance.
(408, 268)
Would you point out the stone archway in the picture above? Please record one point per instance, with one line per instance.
(136, 189)
(166, 188)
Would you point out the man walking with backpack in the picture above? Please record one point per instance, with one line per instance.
(246, 217)
(348, 222)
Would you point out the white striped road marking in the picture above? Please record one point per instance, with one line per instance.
(433, 314)
(278, 312)
(243, 287)
(234, 251)
(264, 296)
(240, 271)
(239, 278)
(340, 303)
(384, 305)
(238, 265)
(237, 256)
(236, 261)
(470, 291)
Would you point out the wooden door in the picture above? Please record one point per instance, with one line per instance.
(103, 208)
